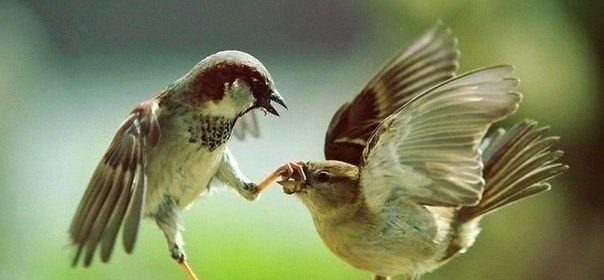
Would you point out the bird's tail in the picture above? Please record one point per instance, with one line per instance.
(517, 164)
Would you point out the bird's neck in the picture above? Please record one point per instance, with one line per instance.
(334, 216)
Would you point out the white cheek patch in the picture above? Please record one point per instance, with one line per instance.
(239, 91)
(237, 98)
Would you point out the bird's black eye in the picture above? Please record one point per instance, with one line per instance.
(323, 177)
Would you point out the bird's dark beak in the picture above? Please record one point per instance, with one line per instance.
(275, 96)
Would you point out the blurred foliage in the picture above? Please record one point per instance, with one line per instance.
(70, 73)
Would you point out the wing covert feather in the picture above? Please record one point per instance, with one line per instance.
(428, 150)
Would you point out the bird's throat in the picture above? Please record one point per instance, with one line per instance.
(210, 131)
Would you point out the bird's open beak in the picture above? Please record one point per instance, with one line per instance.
(291, 187)
(275, 96)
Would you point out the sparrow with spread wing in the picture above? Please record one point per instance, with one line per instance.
(409, 172)
(167, 152)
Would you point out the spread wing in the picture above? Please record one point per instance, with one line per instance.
(429, 60)
(116, 192)
(246, 124)
(427, 151)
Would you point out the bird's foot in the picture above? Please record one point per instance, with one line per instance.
(293, 178)
(290, 170)
(181, 258)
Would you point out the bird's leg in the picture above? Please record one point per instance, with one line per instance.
(285, 171)
(178, 254)
(272, 177)
(176, 247)
(188, 271)
(379, 277)
(229, 173)
(168, 220)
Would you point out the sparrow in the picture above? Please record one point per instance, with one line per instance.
(168, 152)
(409, 172)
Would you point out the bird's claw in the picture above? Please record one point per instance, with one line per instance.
(290, 170)
(295, 172)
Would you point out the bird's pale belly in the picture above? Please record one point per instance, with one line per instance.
(384, 247)
(367, 254)
(180, 172)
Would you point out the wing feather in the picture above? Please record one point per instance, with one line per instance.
(428, 150)
(429, 60)
(134, 213)
(115, 194)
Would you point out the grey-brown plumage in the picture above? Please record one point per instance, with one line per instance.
(414, 237)
(116, 192)
(409, 172)
(168, 150)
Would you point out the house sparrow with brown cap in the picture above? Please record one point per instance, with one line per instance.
(409, 172)
(168, 151)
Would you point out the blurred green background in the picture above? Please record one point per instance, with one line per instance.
(71, 70)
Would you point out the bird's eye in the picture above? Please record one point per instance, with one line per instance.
(323, 177)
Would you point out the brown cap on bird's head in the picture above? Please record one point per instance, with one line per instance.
(207, 80)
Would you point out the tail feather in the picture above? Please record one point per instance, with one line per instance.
(517, 165)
